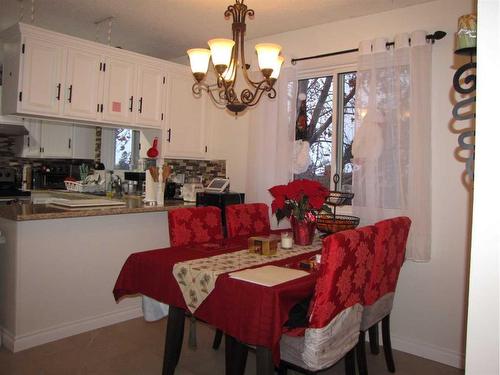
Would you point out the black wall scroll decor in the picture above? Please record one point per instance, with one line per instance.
(464, 82)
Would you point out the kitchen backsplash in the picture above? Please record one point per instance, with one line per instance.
(208, 169)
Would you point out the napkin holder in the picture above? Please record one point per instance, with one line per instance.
(263, 245)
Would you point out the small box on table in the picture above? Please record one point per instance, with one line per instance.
(263, 245)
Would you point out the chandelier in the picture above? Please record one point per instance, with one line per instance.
(228, 55)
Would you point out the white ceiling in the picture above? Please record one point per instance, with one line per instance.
(166, 28)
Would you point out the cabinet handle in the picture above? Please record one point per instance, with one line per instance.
(140, 105)
(98, 107)
(58, 97)
(69, 142)
(28, 140)
(169, 134)
(102, 107)
(70, 93)
(131, 104)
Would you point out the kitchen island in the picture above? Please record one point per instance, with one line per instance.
(58, 267)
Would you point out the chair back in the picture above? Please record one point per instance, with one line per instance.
(346, 262)
(390, 248)
(194, 225)
(249, 219)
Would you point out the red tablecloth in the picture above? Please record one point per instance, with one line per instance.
(251, 313)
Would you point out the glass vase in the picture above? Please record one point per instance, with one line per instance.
(303, 231)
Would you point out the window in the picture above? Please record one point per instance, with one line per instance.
(325, 118)
(126, 147)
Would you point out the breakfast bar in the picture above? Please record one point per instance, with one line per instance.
(58, 266)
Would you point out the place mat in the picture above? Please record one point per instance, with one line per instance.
(268, 275)
(197, 277)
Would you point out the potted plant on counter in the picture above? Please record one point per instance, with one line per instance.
(299, 201)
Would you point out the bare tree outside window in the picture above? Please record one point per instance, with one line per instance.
(123, 148)
(314, 124)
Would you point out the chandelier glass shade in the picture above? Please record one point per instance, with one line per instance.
(228, 58)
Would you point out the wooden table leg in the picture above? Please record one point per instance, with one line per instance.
(236, 356)
(173, 339)
(264, 358)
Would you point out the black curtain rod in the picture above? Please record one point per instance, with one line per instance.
(432, 37)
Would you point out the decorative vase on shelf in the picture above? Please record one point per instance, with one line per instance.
(303, 231)
(153, 151)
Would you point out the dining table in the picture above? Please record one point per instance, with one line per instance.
(247, 313)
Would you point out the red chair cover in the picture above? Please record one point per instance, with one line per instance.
(194, 225)
(247, 220)
(346, 263)
(390, 247)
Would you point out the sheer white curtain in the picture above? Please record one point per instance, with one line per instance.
(392, 144)
(270, 140)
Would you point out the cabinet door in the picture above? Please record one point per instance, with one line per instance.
(83, 142)
(42, 77)
(32, 143)
(56, 140)
(82, 84)
(150, 96)
(184, 132)
(119, 80)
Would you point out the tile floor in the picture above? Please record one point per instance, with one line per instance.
(136, 348)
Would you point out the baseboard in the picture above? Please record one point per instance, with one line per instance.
(26, 341)
(428, 351)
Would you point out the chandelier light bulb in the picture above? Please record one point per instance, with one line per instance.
(199, 59)
(267, 54)
(222, 50)
(277, 67)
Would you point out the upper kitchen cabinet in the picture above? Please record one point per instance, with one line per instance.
(41, 78)
(119, 88)
(83, 75)
(150, 95)
(51, 75)
(184, 133)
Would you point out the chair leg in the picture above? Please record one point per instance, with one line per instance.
(217, 339)
(350, 362)
(361, 354)
(373, 334)
(386, 339)
(282, 369)
(192, 333)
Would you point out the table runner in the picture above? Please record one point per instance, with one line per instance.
(196, 278)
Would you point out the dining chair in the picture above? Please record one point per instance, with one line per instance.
(247, 219)
(194, 225)
(191, 226)
(390, 247)
(335, 310)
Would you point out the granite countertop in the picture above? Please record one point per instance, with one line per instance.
(31, 211)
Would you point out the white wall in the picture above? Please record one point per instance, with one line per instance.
(483, 323)
(429, 313)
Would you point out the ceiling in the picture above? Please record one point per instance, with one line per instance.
(166, 28)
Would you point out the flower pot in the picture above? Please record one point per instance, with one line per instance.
(303, 231)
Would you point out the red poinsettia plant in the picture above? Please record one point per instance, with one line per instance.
(301, 199)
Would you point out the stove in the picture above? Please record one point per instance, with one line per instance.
(9, 192)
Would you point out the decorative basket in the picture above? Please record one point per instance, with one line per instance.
(328, 223)
(79, 187)
(338, 198)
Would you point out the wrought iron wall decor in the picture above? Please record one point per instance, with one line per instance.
(464, 82)
(228, 56)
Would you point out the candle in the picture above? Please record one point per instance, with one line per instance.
(286, 240)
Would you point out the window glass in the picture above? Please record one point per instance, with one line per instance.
(319, 106)
(126, 148)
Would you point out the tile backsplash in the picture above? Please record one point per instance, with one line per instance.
(208, 169)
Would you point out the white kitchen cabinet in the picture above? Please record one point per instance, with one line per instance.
(42, 76)
(83, 75)
(32, 143)
(83, 145)
(184, 132)
(150, 95)
(119, 88)
(56, 140)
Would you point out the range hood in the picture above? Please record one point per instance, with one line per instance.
(11, 125)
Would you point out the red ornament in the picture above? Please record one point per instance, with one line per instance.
(153, 151)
